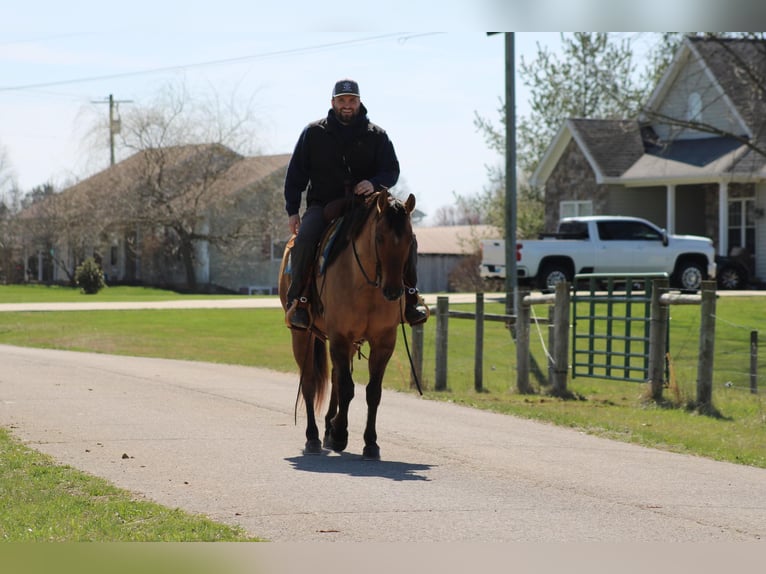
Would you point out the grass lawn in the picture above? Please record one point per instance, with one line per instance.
(44, 502)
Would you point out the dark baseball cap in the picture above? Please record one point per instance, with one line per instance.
(345, 88)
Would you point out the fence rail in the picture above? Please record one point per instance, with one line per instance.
(559, 321)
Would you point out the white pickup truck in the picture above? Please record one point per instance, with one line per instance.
(605, 244)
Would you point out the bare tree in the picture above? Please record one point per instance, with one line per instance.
(9, 208)
(184, 150)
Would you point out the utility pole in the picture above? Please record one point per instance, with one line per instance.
(511, 278)
(114, 121)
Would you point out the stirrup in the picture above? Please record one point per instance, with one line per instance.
(412, 313)
(297, 315)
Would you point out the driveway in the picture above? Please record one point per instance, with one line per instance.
(221, 440)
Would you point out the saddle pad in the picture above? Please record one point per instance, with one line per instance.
(326, 245)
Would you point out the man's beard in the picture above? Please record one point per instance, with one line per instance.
(346, 118)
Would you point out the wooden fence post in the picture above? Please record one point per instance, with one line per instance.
(522, 348)
(442, 319)
(706, 345)
(551, 342)
(561, 340)
(754, 362)
(478, 369)
(657, 339)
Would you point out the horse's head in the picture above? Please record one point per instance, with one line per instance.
(393, 239)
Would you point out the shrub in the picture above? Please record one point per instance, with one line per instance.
(89, 277)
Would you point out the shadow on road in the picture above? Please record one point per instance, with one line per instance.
(355, 465)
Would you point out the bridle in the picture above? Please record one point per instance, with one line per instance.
(378, 274)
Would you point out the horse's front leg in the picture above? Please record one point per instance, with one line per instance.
(343, 389)
(332, 409)
(379, 357)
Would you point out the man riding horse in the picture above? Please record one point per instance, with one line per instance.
(342, 155)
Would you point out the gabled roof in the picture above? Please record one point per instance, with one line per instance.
(627, 152)
(235, 174)
(610, 146)
(734, 63)
(250, 170)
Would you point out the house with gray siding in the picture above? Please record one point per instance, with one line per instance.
(694, 162)
(443, 249)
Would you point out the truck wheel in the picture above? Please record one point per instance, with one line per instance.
(730, 277)
(689, 276)
(552, 274)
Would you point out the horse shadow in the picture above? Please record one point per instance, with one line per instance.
(355, 465)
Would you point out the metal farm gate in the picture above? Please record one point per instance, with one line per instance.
(610, 328)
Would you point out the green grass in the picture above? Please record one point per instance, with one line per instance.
(44, 502)
(613, 409)
(63, 294)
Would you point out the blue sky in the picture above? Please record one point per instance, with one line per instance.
(57, 58)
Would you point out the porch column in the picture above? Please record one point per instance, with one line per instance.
(723, 218)
(670, 200)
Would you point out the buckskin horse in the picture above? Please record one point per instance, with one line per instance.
(358, 297)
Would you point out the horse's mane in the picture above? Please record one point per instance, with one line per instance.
(357, 215)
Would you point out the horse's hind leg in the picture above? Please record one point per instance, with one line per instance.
(313, 444)
(332, 408)
(304, 352)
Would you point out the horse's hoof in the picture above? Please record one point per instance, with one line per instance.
(371, 452)
(313, 446)
(335, 444)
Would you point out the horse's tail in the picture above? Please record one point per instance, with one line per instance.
(321, 371)
(314, 369)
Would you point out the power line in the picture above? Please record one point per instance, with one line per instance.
(263, 56)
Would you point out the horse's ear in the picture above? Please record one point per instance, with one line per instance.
(409, 205)
(382, 201)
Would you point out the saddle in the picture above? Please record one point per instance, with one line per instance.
(333, 240)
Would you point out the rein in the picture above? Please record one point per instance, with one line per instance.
(375, 283)
(409, 356)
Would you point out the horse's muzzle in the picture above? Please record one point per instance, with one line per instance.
(392, 293)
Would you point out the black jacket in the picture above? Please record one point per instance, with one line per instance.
(330, 157)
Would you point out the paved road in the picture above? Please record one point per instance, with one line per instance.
(221, 440)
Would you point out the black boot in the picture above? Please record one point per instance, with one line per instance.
(297, 312)
(300, 317)
(412, 313)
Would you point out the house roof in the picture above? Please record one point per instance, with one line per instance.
(734, 63)
(453, 239)
(627, 152)
(236, 173)
(250, 170)
(610, 146)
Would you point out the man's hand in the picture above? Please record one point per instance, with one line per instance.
(294, 223)
(364, 187)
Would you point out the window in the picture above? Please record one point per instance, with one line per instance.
(742, 224)
(627, 231)
(575, 208)
(694, 108)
